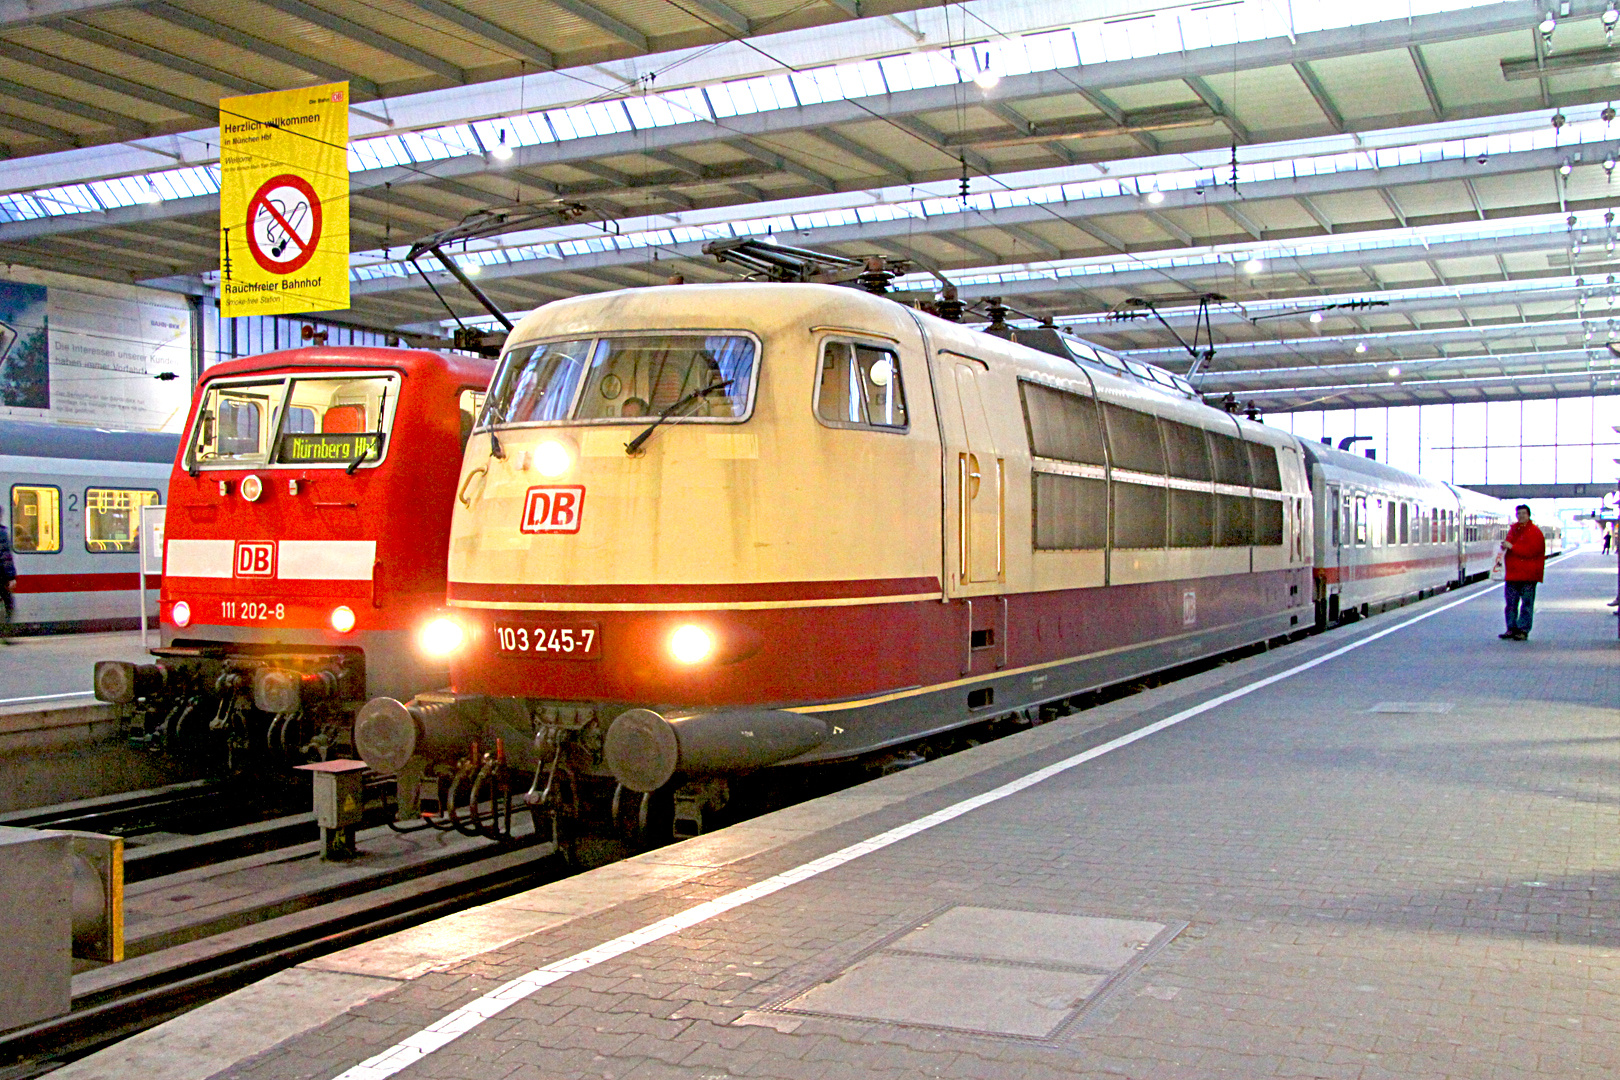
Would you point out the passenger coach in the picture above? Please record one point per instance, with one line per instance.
(73, 499)
(702, 529)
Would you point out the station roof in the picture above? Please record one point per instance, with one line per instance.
(1397, 202)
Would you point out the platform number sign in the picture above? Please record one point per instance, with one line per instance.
(553, 509)
(255, 558)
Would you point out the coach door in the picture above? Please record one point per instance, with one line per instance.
(980, 476)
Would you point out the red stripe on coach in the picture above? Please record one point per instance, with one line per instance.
(56, 583)
(752, 592)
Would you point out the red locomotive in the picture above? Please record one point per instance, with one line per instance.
(307, 524)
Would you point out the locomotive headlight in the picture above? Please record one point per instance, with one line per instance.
(181, 614)
(441, 637)
(691, 644)
(343, 618)
(552, 458)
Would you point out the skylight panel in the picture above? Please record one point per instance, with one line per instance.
(416, 148)
(531, 129)
(73, 199)
(20, 208)
(609, 117)
(115, 193)
(1038, 52)
(720, 99)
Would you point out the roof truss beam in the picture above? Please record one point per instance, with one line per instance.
(366, 36)
(358, 85)
(519, 45)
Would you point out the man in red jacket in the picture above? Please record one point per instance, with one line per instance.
(1524, 557)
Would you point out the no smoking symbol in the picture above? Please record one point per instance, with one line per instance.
(283, 224)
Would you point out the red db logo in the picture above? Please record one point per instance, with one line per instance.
(255, 558)
(553, 509)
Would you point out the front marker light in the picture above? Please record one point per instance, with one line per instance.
(181, 614)
(343, 618)
(691, 644)
(441, 637)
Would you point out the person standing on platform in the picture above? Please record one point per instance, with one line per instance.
(8, 576)
(1608, 539)
(1524, 558)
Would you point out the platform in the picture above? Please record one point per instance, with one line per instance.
(55, 738)
(50, 669)
(1386, 851)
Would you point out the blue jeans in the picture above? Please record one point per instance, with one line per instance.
(1521, 604)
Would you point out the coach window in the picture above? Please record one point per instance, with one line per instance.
(1406, 522)
(1361, 520)
(1390, 522)
(860, 386)
(36, 520)
(112, 518)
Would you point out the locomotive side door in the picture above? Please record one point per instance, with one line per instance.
(980, 476)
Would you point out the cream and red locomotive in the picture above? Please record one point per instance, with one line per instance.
(307, 522)
(701, 530)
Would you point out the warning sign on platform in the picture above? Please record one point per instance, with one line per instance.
(284, 201)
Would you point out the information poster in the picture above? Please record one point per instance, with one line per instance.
(101, 354)
(284, 201)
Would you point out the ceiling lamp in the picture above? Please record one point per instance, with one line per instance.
(1316, 317)
(1155, 197)
(502, 152)
(1361, 347)
(1254, 265)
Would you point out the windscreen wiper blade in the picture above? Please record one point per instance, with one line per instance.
(634, 444)
(495, 414)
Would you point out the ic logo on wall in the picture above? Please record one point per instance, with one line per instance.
(553, 509)
(255, 558)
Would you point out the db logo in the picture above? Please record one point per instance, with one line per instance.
(553, 509)
(255, 558)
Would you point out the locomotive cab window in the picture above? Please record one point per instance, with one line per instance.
(860, 386)
(326, 421)
(36, 520)
(112, 518)
(233, 425)
(693, 377)
(336, 421)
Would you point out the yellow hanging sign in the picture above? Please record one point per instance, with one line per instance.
(284, 201)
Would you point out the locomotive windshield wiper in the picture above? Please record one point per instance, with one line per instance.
(634, 444)
(377, 435)
(495, 414)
